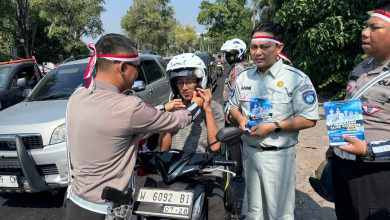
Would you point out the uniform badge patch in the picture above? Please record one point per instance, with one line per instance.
(309, 97)
(280, 84)
(370, 110)
(305, 87)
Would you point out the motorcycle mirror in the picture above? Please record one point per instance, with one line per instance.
(228, 134)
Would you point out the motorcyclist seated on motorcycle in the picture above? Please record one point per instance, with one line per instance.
(187, 74)
(234, 51)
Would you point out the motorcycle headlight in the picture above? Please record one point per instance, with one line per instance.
(59, 135)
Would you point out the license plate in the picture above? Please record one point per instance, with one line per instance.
(167, 197)
(9, 181)
(176, 210)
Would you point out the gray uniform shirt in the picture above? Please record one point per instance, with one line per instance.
(288, 89)
(103, 130)
(375, 101)
(193, 138)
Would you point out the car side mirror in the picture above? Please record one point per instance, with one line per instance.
(26, 92)
(229, 134)
(21, 82)
(139, 85)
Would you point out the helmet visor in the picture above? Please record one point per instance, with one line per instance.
(181, 72)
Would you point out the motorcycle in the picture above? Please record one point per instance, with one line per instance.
(176, 185)
(220, 69)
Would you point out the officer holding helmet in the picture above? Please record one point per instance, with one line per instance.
(104, 124)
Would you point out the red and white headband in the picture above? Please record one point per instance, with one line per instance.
(114, 57)
(273, 40)
(381, 14)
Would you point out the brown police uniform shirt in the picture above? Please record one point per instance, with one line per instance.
(375, 101)
(103, 129)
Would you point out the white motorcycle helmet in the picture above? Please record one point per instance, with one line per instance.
(186, 64)
(234, 50)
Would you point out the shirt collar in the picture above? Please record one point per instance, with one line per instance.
(100, 84)
(379, 67)
(274, 70)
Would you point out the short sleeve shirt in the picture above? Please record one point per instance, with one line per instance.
(375, 101)
(288, 89)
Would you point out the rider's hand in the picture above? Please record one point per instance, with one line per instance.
(196, 99)
(242, 123)
(175, 104)
(207, 97)
(262, 129)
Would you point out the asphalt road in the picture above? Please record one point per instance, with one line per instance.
(31, 206)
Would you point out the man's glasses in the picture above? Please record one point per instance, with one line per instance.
(188, 82)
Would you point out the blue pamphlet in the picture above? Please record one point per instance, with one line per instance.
(260, 110)
(344, 118)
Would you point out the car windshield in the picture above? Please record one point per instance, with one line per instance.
(60, 83)
(4, 71)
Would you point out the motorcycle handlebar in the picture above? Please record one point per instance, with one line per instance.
(225, 163)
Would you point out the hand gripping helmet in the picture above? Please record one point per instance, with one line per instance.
(186, 64)
(234, 50)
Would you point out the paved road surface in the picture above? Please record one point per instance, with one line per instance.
(309, 205)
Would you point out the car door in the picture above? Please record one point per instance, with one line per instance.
(155, 75)
(146, 95)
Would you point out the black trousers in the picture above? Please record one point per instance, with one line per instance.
(75, 212)
(362, 190)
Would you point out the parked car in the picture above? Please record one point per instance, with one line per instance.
(32, 133)
(212, 71)
(17, 79)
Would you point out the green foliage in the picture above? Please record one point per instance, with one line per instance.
(323, 38)
(184, 38)
(225, 19)
(69, 20)
(268, 8)
(150, 24)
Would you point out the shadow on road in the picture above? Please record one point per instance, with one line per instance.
(33, 200)
(307, 208)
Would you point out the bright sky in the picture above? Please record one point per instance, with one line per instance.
(186, 12)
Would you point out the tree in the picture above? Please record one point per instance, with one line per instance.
(225, 19)
(268, 8)
(323, 38)
(185, 37)
(149, 23)
(71, 19)
(18, 24)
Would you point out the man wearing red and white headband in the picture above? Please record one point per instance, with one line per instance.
(104, 125)
(288, 104)
(361, 186)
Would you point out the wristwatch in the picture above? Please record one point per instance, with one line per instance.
(278, 128)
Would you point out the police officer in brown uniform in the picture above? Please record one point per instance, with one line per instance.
(104, 125)
(362, 186)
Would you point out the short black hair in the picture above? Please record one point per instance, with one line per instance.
(269, 26)
(383, 5)
(113, 44)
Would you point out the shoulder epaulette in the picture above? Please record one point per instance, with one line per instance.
(295, 70)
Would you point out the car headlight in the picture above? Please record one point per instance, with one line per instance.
(59, 135)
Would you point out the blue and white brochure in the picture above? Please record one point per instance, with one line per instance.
(260, 111)
(344, 118)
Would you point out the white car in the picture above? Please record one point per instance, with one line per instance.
(32, 133)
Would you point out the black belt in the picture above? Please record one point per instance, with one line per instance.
(270, 148)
